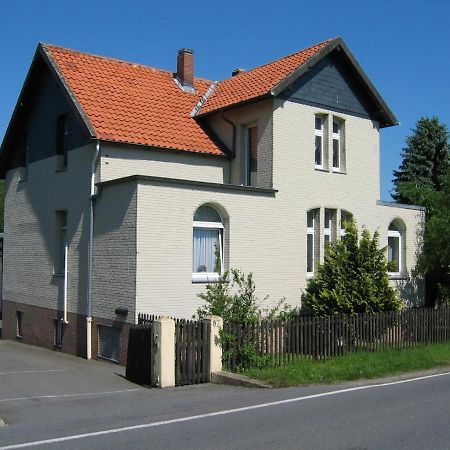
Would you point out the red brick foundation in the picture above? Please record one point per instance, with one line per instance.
(38, 328)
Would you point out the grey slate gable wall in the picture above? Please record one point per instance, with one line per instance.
(330, 84)
(46, 104)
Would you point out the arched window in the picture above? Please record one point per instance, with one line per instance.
(396, 243)
(207, 261)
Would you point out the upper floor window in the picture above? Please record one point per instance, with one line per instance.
(61, 141)
(395, 248)
(251, 156)
(336, 145)
(319, 142)
(207, 261)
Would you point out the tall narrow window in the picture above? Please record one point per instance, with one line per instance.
(318, 149)
(336, 145)
(252, 156)
(327, 227)
(61, 141)
(395, 249)
(310, 221)
(61, 243)
(207, 261)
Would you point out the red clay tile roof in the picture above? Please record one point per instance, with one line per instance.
(131, 103)
(257, 82)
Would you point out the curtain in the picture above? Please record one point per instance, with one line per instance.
(206, 251)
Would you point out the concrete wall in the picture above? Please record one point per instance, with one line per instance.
(119, 161)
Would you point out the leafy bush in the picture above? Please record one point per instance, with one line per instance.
(233, 298)
(353, 278)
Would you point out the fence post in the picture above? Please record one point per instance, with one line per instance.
(215, 346)
(164, 338)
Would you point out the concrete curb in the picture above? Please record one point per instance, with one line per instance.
(235, 379)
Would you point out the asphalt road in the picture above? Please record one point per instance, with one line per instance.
(51, 400)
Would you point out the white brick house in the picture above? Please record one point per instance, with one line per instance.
(128, 187)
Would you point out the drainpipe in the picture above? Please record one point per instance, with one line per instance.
(90, 244)
(65, 321)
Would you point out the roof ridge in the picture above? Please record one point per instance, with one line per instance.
(326, 41)
(122, 61)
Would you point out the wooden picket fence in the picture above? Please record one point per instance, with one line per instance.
(277, 342)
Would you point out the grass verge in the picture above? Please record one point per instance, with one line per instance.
(354, 366)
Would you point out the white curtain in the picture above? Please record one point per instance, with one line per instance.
(206, 251)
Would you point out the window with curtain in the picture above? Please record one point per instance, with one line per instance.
(395, 249)
(207, 261)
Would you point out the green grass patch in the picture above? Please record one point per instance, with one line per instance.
(354, 366)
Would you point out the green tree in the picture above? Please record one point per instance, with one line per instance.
(434, 260)
(353, 278)
(425, 162)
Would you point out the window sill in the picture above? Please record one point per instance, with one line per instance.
(397, 276)
(320, 169)
(309, 276)
(342, 172)
(19, 338)
(58, 275)
(205, 277)
(61, 169)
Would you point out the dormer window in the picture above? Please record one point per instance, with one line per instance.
(319, 142)
(251, 156)
(61, 141)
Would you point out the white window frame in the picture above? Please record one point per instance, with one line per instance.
(310, 231)
(336, 137)
(319, 133)
(201, 277)
(341, 222)
(397, 234)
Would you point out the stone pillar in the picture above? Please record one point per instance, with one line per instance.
(215, 346)
(164, 334)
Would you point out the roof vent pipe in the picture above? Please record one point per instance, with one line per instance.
(185, 68)
(237, 72)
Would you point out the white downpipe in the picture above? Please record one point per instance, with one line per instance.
(90, 244)
(65, 321)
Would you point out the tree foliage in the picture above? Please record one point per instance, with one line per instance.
(233, 298)
(425, 162)
(435, 256)
(353, 278)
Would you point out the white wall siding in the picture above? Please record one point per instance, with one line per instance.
(30, 232)
(119, 161)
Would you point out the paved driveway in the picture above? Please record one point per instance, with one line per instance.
(52, 400)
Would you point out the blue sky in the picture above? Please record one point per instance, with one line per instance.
(403, 46)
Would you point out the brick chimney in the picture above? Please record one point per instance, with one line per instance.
(185, 68)
(237, 72)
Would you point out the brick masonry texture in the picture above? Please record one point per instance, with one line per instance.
(39, 329)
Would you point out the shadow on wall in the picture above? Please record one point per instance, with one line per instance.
(411, 290)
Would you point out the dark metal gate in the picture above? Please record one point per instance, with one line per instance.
(191, 352)
(141, 355)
